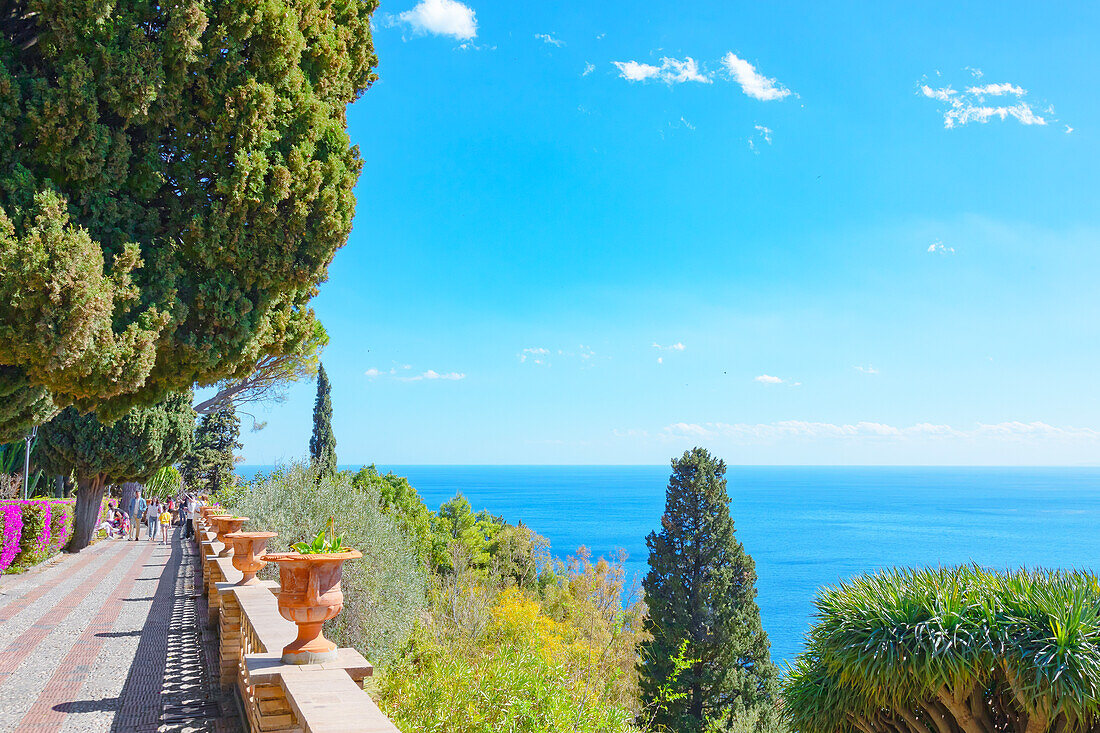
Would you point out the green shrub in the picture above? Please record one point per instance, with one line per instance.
(384, 592)
(959, 649)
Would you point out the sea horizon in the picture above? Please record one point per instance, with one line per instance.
(806, 527)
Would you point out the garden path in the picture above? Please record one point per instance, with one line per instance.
(110, 639)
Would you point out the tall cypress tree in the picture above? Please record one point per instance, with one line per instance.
(322, 446)
(701, 589)
(208, 467)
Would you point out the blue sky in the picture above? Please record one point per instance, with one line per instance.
(798, 233)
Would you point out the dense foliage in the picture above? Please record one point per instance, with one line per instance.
(134, 448)
(951, 649)
(384, 591)
(701, 591)
(175, 179)
(322, 444)
(473, 627)
(208, 466)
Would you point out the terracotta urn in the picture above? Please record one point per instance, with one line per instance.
(247, 546)
(227, 523)
(310, 595)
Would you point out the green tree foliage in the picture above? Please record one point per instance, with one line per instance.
(175, 179)
(951, 649)
(322, 445)
(701, 588)
(208, 466)
(399, 499)
(384, 592)
(133, 448)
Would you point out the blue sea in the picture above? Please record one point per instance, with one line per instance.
(806, 527)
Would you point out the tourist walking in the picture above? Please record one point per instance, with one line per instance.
(137, 514)
(165, 523)
(152, 519)
(193, 507)
(185, 516)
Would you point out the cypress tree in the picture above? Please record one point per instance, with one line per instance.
(208, 467)
(701, 589)
(322, 446)
(133, 448)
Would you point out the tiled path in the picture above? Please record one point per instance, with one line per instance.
(110, 639)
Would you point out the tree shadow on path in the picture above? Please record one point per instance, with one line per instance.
(169, 687)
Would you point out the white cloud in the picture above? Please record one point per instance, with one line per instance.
(588, 69)
(441, 18)
(549, 39)
(432, 374)
(761, 133)
(1013, 431)
(963, 108)
(752, 82)
(768, 379)
(939, 248)
(671, 347)
(429, 374)
(997, 90)
(536, 354)
(1068, 129)
(671, 71)
(866, 369)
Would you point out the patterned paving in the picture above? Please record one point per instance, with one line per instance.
(110, 639)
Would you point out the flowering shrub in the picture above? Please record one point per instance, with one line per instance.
(61, 523)
(12, 517)
(34, 530)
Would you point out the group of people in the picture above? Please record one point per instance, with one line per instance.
(158, 516)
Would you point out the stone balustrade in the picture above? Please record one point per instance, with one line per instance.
(279, 697)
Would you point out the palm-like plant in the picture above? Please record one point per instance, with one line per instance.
(165, 483)
(951, 650)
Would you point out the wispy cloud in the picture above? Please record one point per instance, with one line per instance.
(588, 69)
(983, 102)
(671, 347)
(766, 432)
(542, 356)
(430, 374)
(537, 355)
(671, 71)
(939, 247)
(548, 38)
(768, 379)
(866, 369)
(441, 18)
(752, 82)
(762, 134)
(433, 374)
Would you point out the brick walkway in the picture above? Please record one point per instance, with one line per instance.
(110, 639)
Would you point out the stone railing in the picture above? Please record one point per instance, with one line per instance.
(278, 697)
